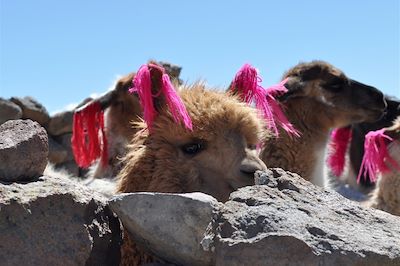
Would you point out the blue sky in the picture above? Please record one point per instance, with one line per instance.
(60, 52)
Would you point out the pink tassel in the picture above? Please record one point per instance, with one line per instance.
(142, 85)
(340, 139)
(175, 104)
(375, 154)
(88, 138)
(247, 83)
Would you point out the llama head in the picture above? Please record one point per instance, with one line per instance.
(345, 100)
(216, 155)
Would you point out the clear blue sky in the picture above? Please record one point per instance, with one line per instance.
(62, 51)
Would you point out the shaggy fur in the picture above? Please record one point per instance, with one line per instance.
(320, 98)
(217, 157)
(386, 196)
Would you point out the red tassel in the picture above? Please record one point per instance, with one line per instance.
(88, 138)
(340, 139)
(376, 155)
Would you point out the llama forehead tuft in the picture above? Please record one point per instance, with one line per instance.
(316, 69)
(212, 112)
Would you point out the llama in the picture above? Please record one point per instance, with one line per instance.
(122, 109)
(215, 153)
(320, 97)
(356, 149)
(382, 162)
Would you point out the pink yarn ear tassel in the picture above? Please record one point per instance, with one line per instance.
(142, 86)
(247, 83)
(375, 154)
(340, 139)
(175, 104)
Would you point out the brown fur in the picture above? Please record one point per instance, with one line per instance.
(386, 196)
(226, 128)
(320, 98)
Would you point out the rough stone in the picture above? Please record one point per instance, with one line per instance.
(23, 150)
(65, 141)
(70, 167)
(9, 111)
(289, 221)
(56, 221)
(32, 109)
(60, 123)
(57, 153)
(170, 226)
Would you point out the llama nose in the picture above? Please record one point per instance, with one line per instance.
(250, 165)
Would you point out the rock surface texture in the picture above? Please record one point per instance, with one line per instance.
(9, 111)
(32, 109)
(290, 221)
(170, 226)
(56, 221)
(284, 221)
(23, 150)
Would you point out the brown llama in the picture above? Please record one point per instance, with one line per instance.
(320, 98)
(216, 156)
(121, 110)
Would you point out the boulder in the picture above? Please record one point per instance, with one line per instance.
(290, 221)
(60, 123)
(283, 220)
(57, 153)
(9, 111)
(170, 226)
(32, 109)
(23, 150)
(56, 221)
(65, 141)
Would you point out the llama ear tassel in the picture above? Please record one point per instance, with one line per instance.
(88, 138)
(142, 85)
(246, 84)
(340, 139)
(376, 155)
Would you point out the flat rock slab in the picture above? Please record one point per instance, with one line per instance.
(170, 226)
(9, 111)
(32, 109)
(23, 150)
(56, 221)
(289, 221)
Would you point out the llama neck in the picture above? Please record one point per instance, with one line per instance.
(304, 155)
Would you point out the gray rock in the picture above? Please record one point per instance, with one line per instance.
(55, 221)
(289, 221)
(70, 167)
(61, 123)
(23, 150)
(170, 226)
(106, 187)
(32, 109)
(57, 153)
(65, 141)
(9, 111)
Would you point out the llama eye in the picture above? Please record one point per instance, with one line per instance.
(193, 148)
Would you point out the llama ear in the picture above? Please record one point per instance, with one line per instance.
(155, 92)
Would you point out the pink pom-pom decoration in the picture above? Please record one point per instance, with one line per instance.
(246, 84)
(340, 139)
(142, 85)
(376, 155)
(88, 137)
